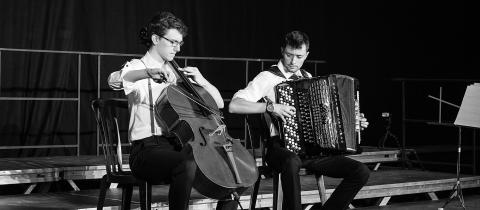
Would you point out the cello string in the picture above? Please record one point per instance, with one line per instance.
(187, 82)
(199, 100)
(198, 103)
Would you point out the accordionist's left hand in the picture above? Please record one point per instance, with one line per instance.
(363, 121)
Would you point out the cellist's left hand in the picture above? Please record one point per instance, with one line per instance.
(197, 77)
(194, 73)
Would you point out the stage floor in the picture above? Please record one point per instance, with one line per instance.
(472, 202)
(382, 184)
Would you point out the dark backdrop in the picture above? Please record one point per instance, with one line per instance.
(372, 40)
(407, 38)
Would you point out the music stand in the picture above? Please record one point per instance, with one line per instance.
(468, 116)
(457, 188)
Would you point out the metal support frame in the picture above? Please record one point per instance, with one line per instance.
(80, 57)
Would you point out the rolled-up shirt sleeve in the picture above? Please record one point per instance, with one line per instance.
(257, 88)
(133, 87)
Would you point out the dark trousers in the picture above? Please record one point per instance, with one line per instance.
(155, 160)
(354, 174)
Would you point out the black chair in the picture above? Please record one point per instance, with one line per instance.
(257, 129)
(107, 120)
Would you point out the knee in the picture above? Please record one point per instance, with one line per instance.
(190, 168)
(292, 164)
(186, 169)
(362, 173)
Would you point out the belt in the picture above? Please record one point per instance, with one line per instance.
(151, 141)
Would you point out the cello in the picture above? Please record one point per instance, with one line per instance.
(190, 113)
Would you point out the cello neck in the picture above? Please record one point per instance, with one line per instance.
(189, 87)
(186, 81)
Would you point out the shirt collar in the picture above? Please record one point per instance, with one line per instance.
(285, 73)
(151, 62)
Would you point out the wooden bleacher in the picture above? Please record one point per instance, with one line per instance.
(32, 170)
(43, 170)
(40, 171)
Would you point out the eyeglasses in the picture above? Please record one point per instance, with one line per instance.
(174, 43)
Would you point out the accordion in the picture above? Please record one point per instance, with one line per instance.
(327, 118)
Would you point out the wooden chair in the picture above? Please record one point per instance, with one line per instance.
(107, 120)
(257, 129)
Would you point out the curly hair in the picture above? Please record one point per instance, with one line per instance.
(296, 39)
(159, 24)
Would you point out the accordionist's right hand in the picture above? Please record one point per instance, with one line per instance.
(283, 111)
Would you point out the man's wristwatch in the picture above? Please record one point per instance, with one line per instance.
(270, 106)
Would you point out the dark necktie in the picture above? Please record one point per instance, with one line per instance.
(295, 77)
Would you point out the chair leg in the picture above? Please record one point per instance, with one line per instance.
(145, 196)
(321, 188)
(104, 185)
(280, 193)
(277, 192)
(126, 196)
(253, 196)
(149, 196)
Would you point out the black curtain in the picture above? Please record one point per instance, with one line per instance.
(372, 40)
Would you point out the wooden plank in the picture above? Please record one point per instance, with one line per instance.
(379, 186)
(433, 196)
(49, 169)
(86, 200)
(376, 167)
(384, 201)
(73, 185)
(36, 177)
(377, 156)
(30, 189)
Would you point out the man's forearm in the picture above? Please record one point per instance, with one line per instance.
(242, 106)
(135, 75)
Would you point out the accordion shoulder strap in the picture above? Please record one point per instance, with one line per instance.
(276, 71)
(305, 73)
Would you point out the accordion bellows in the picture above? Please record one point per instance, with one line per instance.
(327, 115)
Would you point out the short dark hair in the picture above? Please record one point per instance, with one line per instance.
(296, 39)
(159, 24)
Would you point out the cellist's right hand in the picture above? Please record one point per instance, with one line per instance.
(161, 75)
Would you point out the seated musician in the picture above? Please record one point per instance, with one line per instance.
(153, 156)
(355, 174)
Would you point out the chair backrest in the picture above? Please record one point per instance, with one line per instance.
(107, 119)
(258, 132)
